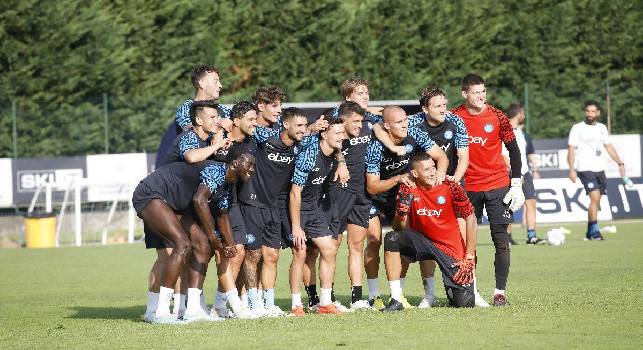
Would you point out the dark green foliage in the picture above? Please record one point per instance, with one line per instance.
(57, 59)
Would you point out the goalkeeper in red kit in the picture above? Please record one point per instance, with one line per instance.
(427, 229)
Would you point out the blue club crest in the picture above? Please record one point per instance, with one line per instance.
(488, 128)
(218, 234)
(373, 210)
(295, 150)
(251, 238)
(448, 134)
(369, 125)
(590, 185)
(408, 148)
(441, 200)
(290, 237)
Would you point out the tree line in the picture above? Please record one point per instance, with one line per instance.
(58, 60)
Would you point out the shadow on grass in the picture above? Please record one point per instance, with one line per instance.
(132, 313)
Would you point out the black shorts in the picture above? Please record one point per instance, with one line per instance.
(142, 196)
(528, 186)
(416, 247)
(238, 226)
(154, 241)
(592, 181)
(385, 205)
(314, 223)
(331, 213)
(497, 211)
(355, 208)
(263, 226)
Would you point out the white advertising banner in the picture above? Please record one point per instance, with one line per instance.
(6, 183)
(560, 200)
(114, 176)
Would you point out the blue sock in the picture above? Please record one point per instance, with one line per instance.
(253, 298)
(269, 297)
(592, 226)
(531, 234)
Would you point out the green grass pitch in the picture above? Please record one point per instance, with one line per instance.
(580, 295)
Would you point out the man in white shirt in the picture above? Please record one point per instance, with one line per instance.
(588, 141)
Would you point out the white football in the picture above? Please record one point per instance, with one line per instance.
(556, 236)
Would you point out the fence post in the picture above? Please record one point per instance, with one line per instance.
(527, 108)
(15, 128)
(106, 123)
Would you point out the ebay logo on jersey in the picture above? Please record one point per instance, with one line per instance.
(477, 140)
(429, 212)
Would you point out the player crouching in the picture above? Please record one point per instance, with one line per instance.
(426, 229)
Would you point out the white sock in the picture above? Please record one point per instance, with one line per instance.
(296, 300)
(194, 301)
(220, 300)
(203, 304)
(373, 289)
(244, 298)
(324, 299)
(498, 291)
(179, 304)
(152, 303)
(428, 288)
(396, 289)
(163, 306)
(233, 299)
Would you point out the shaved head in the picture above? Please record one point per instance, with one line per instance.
(390, 112)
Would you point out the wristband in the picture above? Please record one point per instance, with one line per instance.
(619, 164)
(343, 161)
(516, 182)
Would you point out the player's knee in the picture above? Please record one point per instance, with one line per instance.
(499, 236)
(391, 241)
(183, 248)
(375, 240)
(463, 298)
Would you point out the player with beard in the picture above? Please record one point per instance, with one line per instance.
(308, 220)
(276, 152)
(385, 171)
(163, 200)
(487, 182)
(426, 229)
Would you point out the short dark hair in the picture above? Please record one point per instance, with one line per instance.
(349, 107)
(199, 71)
(470, 80)
(332, 121)
(428, 93)
(419, 157)
(242, 107)
(237, 152)
(593, 103)
(198, 106)
(268, 94)
(350, 84)
(289, 113)
(513, 109)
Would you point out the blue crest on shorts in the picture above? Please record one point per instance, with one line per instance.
(441, 200)
(369, 125)
(488, 128)
(290, 237)
(373, 210)
(590, 185)
(408, 148)
(295, 150)
(251, 238)
(448, 134)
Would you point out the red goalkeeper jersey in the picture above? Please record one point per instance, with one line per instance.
(433, 215)
(487, 170)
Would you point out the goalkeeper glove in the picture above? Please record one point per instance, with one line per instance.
(404, 201)
(515, 198)
(464, 275)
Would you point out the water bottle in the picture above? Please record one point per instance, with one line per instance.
(628, 182)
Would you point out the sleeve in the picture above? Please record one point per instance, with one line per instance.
(213, 176)
(373, 157)
(573, 136)
(183, 114)
(461, 203)
(189, 141)
(605, 136)
(223, 202)
(416, 119)
(309, 140)
(461, 135)
(373, 118)
(304, 163)
(262, 134)
(424, 141)
(225, 110)
(530, 145)
(506, 130)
